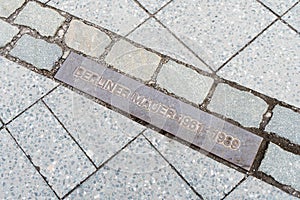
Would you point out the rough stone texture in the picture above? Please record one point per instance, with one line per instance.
(37, 52)
(86, 39)
(120, 16)
(19, 88)
(155, 36)
(270, 65)
(285, 123)
(19, 178)
(61, 162)
(279, 6)
(292, 17)
(138, 172)
(99, 131)
(210, 178)
(240, 106)
(36, 16)
(132, 60)
(184, 82)
(253, 188)
(7, 7)
(282, 165)
(153, 5)
(215, 31)
(7, 32)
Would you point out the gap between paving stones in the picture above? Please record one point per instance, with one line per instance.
(273, 101)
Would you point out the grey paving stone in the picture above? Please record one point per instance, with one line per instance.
(138, 172)
(279, 6)
(215, 31)
(120, 16)
(153, 5)
(292, 17)
(37, 52)
(195, 87)
(238, 105)
(19, 178)
(36, 17)
(285, 123)
(210, 178)
(7, 32)
(7, 7)
(132, 60)
(253, 188)
(19, 88)
(153, 35)
(86, 39)
(61, 162)
(282, 165)
(270, 65)
(100, 131)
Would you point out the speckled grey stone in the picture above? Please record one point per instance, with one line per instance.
(37, 52)
(240, 106)
(86, 39)
(19, 88)
(7, 32)
(253, 188)
(282, 165)
(19, 178)
(270, 65)
(195, 87)
(285, 123)
(138, 172)
(132, 60)
(51, 149)
(293, 17)
(155, 36)
(210, 178)
(215, 30)
(120, 16)
(7, 7)
(100, 131)
(36, 17)
(153, 5)
(279, 6)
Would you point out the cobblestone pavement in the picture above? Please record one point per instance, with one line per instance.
(234, 65)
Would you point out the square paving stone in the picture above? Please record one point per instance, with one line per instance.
(35, 16)
(210, 178)
(7, 7)
(153, 5)
(215, 30)
(269, 65)
(100, 131)
(19, 88)
(279, 6)
(282, 165)
(7, 32)
(132, 60)
(293, 17)
(153, 35)
(138, 172)
(19, 178)
(285, 123)
(240, 106)
(86, 39)
(253, 188)
(51, 149)
(37, 52)
(120, 16)
(195, 87)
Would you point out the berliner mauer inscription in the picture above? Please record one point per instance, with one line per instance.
(202, 129)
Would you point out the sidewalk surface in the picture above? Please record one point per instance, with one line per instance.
(219, 117)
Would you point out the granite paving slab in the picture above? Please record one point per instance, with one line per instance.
(293, 17)
(153, 5)
(7, 7)
(7, 32)
(279, 6)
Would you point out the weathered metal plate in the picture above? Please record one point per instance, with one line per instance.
(210, 133)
